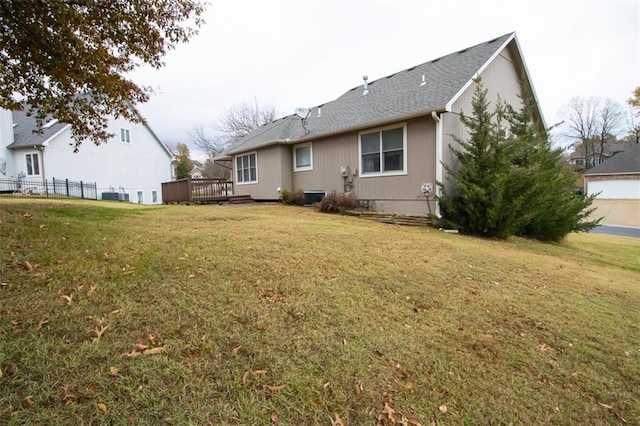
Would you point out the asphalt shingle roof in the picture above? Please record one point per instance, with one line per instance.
(624, 162)
(395, 97)
(23, 133)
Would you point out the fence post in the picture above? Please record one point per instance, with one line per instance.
(54, 185)
(66, 185)
(81, 189)
(46, 187)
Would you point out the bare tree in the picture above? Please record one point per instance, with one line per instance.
(208, 141)
(634, 116)
(592, 122)
(241, 119)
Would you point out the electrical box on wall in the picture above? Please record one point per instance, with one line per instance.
(344, 170)
(427, 189)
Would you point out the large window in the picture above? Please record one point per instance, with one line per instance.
(383, 152)
(33, 166)
(247, 168)
(303, 158)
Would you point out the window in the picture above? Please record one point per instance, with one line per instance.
(33, 166)
(247, 168)
(140, 198)
(303, 158)
(125, 135)
(383, 152)
(154, 196)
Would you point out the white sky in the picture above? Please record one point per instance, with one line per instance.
(301, 53)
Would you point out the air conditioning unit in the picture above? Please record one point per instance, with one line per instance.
(123, 196)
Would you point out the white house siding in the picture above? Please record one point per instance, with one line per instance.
(6, 138)
(618, 201)
(136, 168)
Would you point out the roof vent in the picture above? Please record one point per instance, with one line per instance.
(412, 68)
(424, 81)
(463, 50)
(365, 87)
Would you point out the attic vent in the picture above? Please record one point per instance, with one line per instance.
(463, 50)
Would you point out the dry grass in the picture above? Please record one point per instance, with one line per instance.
(282, 314)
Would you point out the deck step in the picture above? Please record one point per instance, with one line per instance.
(240, 199)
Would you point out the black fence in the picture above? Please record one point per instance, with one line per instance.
(54, 188)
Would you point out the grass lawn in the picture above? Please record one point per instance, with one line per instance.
(262, 314)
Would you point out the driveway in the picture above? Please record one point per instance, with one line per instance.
(617, 230)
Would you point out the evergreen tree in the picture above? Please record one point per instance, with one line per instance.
(510, 182)
(552, 209)
(482, 202)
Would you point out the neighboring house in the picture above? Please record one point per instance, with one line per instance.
(617, 181)
(197, 170)
(578, 159)
(385, 140)
(132, 164)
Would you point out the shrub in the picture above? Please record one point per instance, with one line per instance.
(293, 197)
(337, 203)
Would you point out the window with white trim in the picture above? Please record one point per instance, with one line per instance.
(33, 165)
(383, 152)
(303, 157)
(247, 168)
(125, 135)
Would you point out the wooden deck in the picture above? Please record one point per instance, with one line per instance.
(201, 191)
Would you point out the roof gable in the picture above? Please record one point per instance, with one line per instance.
(430, 86)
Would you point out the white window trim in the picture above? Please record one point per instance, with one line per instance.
(235, 168)
(31, 154)
(128, 133)
(405, 155)
(304, 168)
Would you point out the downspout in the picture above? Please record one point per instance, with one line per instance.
(439, 155)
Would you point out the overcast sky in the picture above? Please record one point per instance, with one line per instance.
(302, 53)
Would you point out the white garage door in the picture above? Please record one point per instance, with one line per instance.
(615, 189)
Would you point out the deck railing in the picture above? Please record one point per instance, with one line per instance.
(196, 190)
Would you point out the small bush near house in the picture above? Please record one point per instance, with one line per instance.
(293, 197)
(336, 203)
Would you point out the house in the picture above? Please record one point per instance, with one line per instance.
(579, 161)
(385, 140)
(130, 166)
(197, 170)
(617, 183)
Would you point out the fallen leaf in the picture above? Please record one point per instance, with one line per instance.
(99, 331)
(245, 377)
(191, 276)
(92, 290)
(344, 342)
(273, 389)
(235, 350)
(274, 417)
(102, 407)
(113, 371)
(390, 412)
(153, 351)
(140, 346)
(260, 372)
(67, 298)
(443, 409)
(151, 339)
(67, 396)
(28, 401)
(608, 407)
(132, 354)
(27, 265)
(41, 323)
(338, 421)
(326, 385)
(115, 312)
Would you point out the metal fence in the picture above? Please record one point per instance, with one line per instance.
(54, 188)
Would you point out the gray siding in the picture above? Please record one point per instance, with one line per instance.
(501, 79)
(274, 171)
